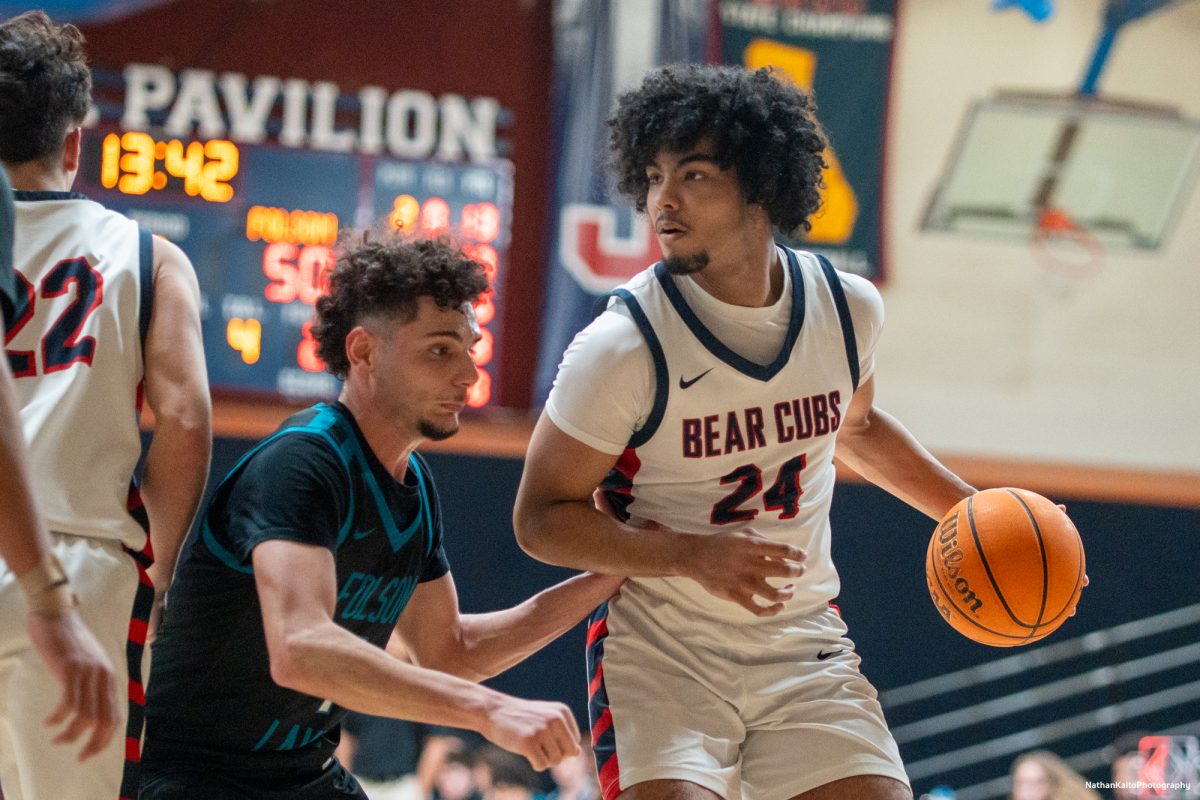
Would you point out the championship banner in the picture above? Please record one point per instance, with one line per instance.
(602, 48)
(842, 51)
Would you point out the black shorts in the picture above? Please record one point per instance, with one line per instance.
(335, 783)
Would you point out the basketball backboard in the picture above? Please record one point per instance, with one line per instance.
(1120, 171)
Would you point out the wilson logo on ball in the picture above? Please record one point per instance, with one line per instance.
(1005, 567)
(952, 555)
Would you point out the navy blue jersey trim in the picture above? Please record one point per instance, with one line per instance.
(843, 309)
(26, 197)
(600, 304)
(661, 383)
(717, 347)
(146, 278)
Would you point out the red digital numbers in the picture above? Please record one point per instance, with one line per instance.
(306, 353)
(296, 272)
(481, 222)
(300, 272)
(481, 353)
(435, 217)
(481, 390)
(486, 255)
(485, 309)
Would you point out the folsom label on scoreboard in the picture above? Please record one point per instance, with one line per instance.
(842, 51)
(256, 188)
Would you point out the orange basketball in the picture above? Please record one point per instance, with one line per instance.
(1005, 567)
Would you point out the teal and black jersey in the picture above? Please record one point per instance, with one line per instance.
(212, 703)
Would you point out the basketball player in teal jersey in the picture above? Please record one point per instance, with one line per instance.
(706, 402)
(323, 543)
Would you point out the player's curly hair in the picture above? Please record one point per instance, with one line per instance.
(763, 127)
(386, 277)
(45, 86)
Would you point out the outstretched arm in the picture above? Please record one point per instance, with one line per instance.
(478, 646)
(556, 522)
(876, 446)
(310, 653)
(177, 392)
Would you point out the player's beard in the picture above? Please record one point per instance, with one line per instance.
(435, 433)
(686, 265)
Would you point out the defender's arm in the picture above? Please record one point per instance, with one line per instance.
(478, 646)
(310, 653)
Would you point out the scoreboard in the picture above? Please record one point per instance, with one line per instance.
(259, 222)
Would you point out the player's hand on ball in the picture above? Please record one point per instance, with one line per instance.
(544, 733)
(736, 566)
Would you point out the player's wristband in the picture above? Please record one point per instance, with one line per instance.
(46, 588)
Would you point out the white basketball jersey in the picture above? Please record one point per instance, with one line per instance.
(75, 348)
(732, 444)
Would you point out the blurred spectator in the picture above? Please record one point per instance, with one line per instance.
(455, 779)
(394, 759)
(1041, 775)
(575, 778)
(501, 775)
(1127, 759)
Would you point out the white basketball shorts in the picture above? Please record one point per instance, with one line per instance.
(114, 601)
(761, 712)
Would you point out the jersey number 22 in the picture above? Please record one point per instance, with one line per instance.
(62, 344)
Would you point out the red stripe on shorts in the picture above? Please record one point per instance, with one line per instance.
(596, 681)
(599, 628)
(602, 724)
(133, 750)
(610, 778)
(137, 631)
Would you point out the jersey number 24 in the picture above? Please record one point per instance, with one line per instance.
(783, 495)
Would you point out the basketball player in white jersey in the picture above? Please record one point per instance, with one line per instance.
(706, 402)
(102, 313)
(56, 631)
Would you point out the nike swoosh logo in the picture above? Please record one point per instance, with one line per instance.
(683, 384)
(362, 534)
(822, 655)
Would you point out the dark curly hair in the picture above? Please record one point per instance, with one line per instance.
(45, 86)
(763, 127)
(387, 277)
